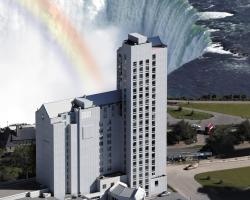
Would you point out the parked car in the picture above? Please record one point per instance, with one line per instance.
(196, 126)
(165, 193)
(209, 129)
(191, 166)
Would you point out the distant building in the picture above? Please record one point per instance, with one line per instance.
(15, 135)
(113, 144)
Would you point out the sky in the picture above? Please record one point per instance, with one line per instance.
(34, 69)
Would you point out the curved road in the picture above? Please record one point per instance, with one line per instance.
(217, 119)
(183, 180)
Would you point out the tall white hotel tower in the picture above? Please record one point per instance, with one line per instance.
(141, 78)
(110, 145)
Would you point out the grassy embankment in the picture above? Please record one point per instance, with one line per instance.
(188, 114)
(237, 109)
(235, 178)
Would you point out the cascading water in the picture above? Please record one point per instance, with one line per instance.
(173, 20)
(103, 24)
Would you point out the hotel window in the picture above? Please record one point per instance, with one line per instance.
(141, 62)
(153, 56)
(156, 183)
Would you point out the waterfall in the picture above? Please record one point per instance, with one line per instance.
(173, 20)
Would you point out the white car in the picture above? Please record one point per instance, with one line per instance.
(196, 126)
(165, 193)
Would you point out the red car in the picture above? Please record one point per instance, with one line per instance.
(209, 129)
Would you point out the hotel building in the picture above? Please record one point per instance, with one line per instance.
(110, 145)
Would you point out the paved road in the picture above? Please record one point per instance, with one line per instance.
(183, 181)
(17, 187)
(172, 196)
(218, 119)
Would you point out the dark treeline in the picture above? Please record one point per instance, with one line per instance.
(214, 97)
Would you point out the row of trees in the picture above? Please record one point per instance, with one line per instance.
(214, 97)
(19, 164)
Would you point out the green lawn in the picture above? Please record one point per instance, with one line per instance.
(237, 109)
(186, 114)
(237, 178)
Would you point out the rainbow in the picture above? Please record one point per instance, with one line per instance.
(67, 37)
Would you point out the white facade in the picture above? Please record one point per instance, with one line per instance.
(141, 78)
(88, 144)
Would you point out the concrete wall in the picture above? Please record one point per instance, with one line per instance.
(73, 182)
(88, 141)
(145, 142)
(110, 139)
(44, 149)
(161, 125)
(59, 160)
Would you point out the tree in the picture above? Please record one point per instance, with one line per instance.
(24, 157)
(244, 131)
(179, 109)
(221, 141)
(9, 173)
(2, 151)
(184, 132)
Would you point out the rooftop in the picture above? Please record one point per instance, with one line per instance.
(156, 42)
(55, 108)
(136, 38)
(123, 191)
(105, 98)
